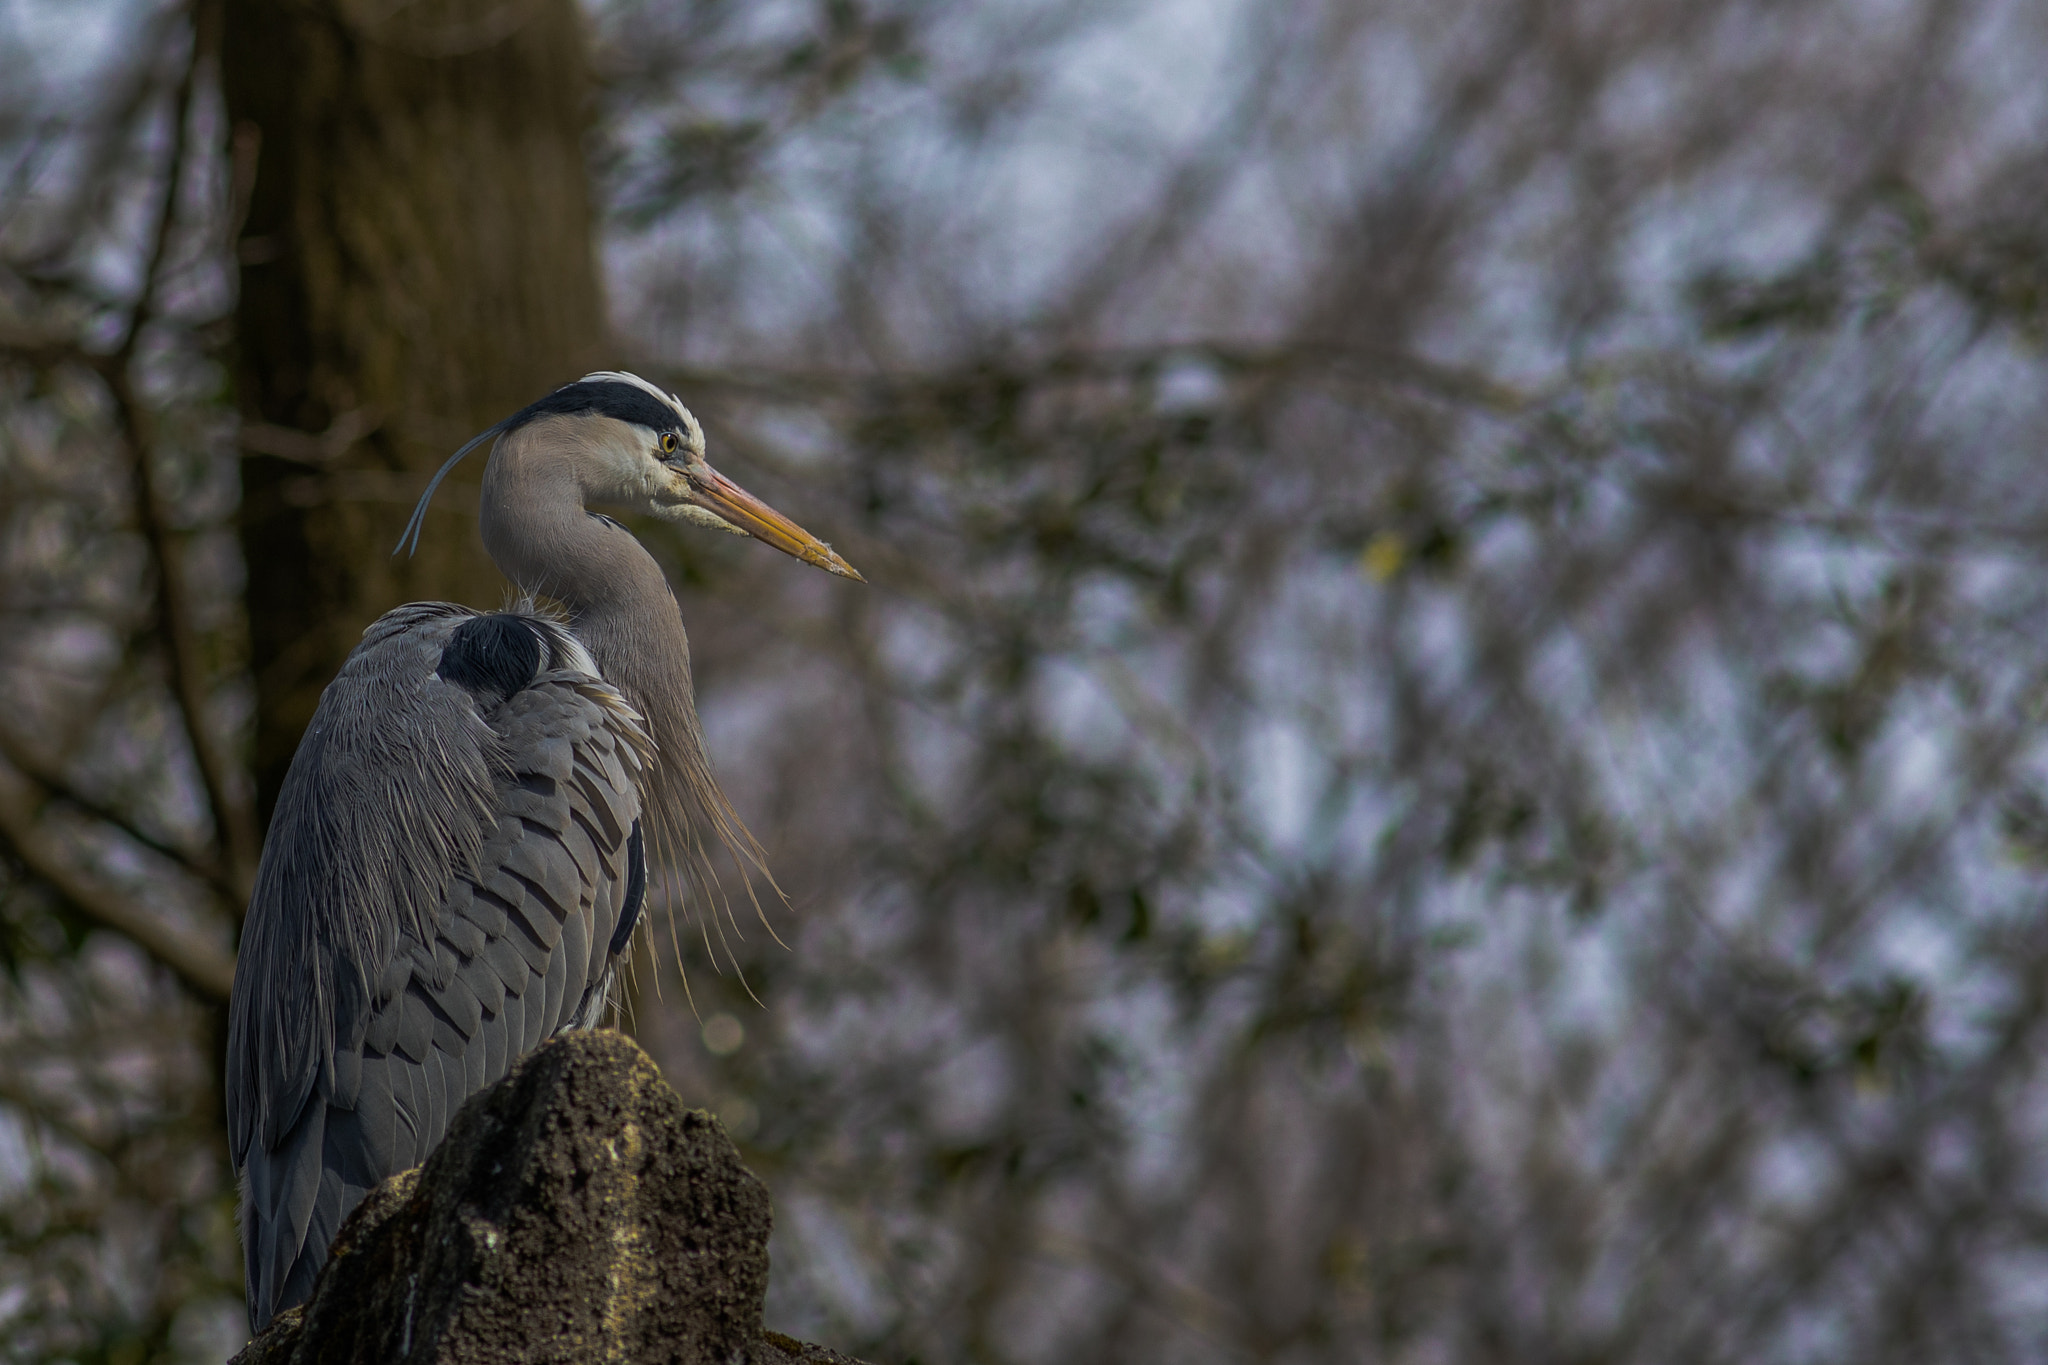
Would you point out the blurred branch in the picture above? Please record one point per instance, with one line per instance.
(1927, 533)
(57, 786)
(102, 129)
(23, 1097)
(309, 448)
(205, 969)
(1154, 1286)
(41, 350)
(234, 814)
(1385, 365)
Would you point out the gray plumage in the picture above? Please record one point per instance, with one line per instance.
(460, 848)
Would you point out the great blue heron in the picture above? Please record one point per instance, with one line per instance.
(459, 851)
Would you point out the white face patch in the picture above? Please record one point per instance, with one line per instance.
(620, 462)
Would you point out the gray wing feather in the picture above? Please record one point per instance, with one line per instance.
(405, 1102)
(415, 1027)
(475, 1075)
(497, 1041)
(581, 853)
(556, 981)
(575, 956)
(434, 1092)
(444, 876)
(376, 1110)
(526, 941)
(458, 1000)
(507, 963)
(483, 982)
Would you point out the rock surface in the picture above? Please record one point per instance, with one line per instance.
(576, 1212)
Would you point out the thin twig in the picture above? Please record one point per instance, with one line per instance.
(40, 350)
(1391, 366)
(206, 970)
(306, 447)
(40, 1111)
(54, 784)
(234, 816)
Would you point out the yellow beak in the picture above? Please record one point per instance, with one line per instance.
(726, 500)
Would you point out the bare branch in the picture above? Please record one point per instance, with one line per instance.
(1388, 366)
(55, 784)
(310, 448)
(234, 814)
(14, 1092)
(206, 970)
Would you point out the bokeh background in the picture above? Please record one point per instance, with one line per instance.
(1444, 755)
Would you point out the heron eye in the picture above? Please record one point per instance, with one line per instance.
(669, 443)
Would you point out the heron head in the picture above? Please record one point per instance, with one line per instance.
(630, 445)
(645, 453)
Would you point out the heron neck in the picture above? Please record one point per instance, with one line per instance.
(619, 604)
(539, 533)
(621, 607)
(543, 539)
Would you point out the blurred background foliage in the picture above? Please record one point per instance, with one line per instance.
(1444, 755)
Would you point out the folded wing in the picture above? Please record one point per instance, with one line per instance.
(454, 863)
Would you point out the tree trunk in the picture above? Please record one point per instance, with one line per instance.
(417, 260)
